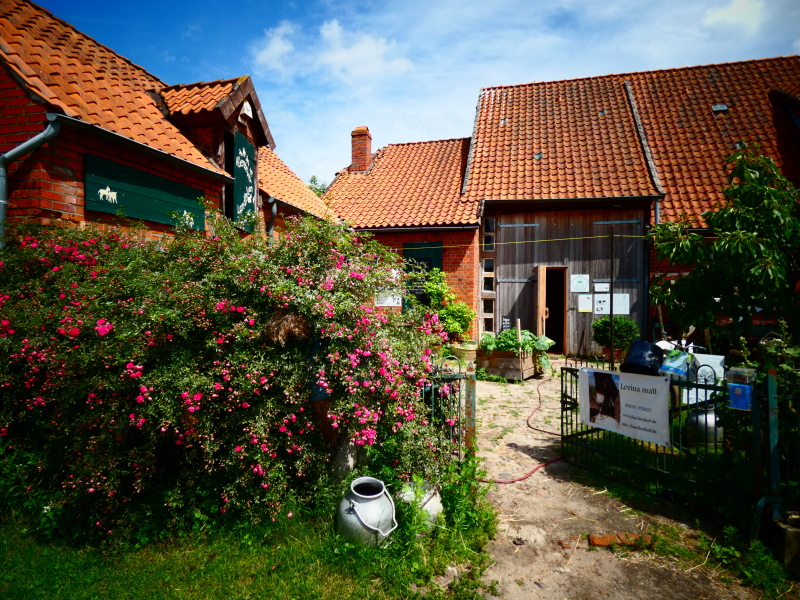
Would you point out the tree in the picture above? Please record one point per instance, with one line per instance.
(317, 186)
(749, 261)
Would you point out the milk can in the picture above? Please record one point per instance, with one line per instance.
(366, 513)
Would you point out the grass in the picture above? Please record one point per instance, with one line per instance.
(299, 559)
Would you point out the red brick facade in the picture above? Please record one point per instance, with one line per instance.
(459, 260)
(49, 182)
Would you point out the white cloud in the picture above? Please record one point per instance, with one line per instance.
(271, 52)
(745, 15)
(362, 60)
(412, 71)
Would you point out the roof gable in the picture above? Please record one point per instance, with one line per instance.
(206, 102)
(407, 185)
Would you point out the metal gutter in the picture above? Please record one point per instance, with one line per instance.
(588, 199)
(273, 214)
(648, 156)
(121, 140)
(414, 229)
(50, 132)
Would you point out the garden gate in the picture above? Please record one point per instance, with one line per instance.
(450, 396)
(710, 461)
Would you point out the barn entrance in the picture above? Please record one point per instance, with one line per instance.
(550, 304)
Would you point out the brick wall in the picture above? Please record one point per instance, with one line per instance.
(49, 182)
(460, 260)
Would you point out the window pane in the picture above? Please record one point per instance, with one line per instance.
(488, 306)
(488, 284)
(488, 324)
(488, 225)
(488, 243)
(488, 265)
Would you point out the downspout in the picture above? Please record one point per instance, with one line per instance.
(50, 132)
(273, 214)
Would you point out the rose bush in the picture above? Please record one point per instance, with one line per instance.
(200, 377)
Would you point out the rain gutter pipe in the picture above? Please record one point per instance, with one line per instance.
(50, 132)
(273, 214)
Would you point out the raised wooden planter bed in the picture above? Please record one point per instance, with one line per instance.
(507, 364)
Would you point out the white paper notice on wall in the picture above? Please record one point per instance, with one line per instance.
(579, 283)
(585, 303)
(387, 299)
(602, 287)
(602, 304)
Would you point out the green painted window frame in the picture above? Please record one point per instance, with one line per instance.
(111, 187)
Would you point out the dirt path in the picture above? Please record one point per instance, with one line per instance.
(541, 550)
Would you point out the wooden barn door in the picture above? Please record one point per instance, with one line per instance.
(540, 312)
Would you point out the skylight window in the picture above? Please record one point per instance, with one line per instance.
(719, 108)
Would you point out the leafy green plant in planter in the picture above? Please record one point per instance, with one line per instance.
(507, 341)
(625, 331)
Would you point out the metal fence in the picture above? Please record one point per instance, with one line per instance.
(708, 464)
(450, 398)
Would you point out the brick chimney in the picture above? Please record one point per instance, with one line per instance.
(361, 141)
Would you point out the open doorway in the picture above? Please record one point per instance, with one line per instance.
(556, 302)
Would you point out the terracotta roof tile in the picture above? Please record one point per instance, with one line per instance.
(578, 139)
(407, 185)
(196, 97)
(277, 180)
(87, 80)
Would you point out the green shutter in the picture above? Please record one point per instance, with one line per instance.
(116, 188)
(244, 176)
(429, 253)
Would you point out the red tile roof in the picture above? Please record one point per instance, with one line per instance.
(407, 185)
(278, 181)
(574, 139)
(86, 80)
(196, 97)
(584, 133)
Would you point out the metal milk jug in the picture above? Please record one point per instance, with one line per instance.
(366, 513)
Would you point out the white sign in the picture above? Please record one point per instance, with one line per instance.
(602, 304)
(602, 287)
(387, 299)
(635, 406)
(584, 303)
(579, 283)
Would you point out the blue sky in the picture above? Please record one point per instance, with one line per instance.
(411, 70)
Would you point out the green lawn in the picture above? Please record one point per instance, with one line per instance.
(299, 559)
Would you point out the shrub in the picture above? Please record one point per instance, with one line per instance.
(625, 331)
(197, 378)
(455, 316)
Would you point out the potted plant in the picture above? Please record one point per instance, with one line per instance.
(506, 356)
(466, 350)
(625, 331)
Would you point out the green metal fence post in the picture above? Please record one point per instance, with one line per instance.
(470, 405)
